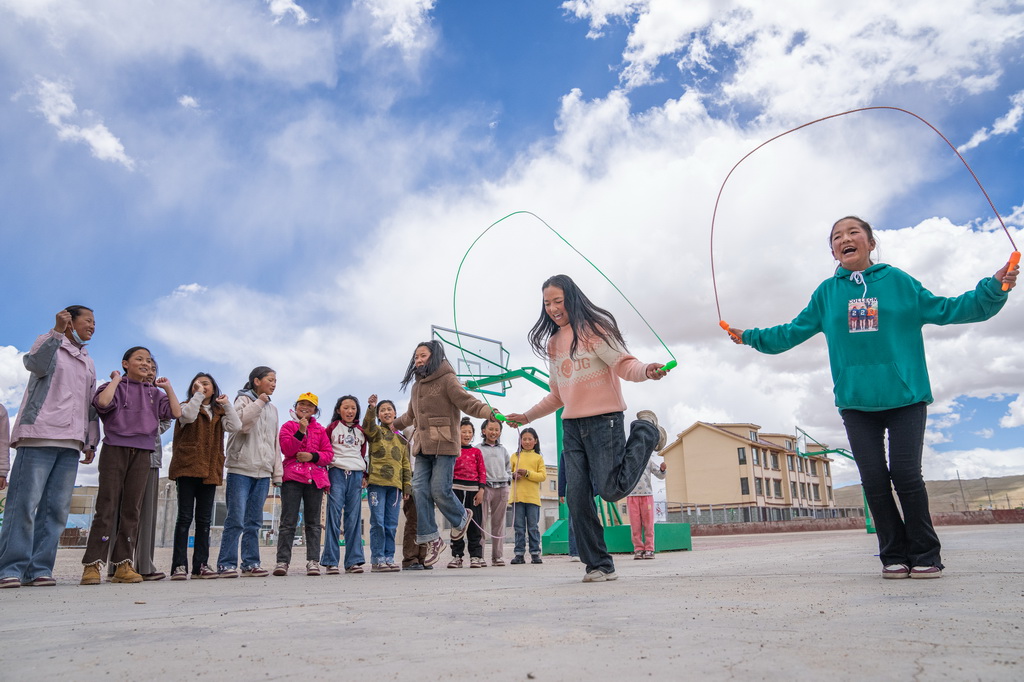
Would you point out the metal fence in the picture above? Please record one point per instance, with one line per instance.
(708, 514)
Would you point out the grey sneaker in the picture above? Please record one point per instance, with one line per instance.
(599, 576)
(312, 567)
(649, 416)
(281, 569)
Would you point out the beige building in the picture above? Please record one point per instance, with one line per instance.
(738, 466)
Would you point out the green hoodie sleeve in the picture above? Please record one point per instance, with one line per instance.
(978, 305)
(778, 339)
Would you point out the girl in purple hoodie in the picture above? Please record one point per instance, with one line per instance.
(131, 411)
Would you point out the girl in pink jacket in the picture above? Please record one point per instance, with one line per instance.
(307, 452)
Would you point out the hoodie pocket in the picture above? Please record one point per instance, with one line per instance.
(872, 387)
(440, 429)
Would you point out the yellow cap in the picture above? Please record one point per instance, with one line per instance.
(309, 398)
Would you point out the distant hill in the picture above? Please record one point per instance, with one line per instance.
(945, 495)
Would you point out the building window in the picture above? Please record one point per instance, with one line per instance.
(744, 486)
(814, 467)
(778, 487)
(800, 465)
(828, 472)
(792, 490)
(742, 454)
(789, 463)
(829, 489)
(757, 456)
(554, 486)
(775, 461)
(758, 486)
(817, 492)
(789, 445)
(803, 491)
(753, 435)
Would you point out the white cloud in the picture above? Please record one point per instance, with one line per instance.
(282, 8)
(402, 23)
(56, 104)
(188, 101)
(13, 377)
(1014, 413)
(976, 463)
(1008, 123)
(985, 433)
(787, 56)
(184, 290)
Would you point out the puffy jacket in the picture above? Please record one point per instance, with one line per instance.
(253, 449)
(314, 441)
(58, 401)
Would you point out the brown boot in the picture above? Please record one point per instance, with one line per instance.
(91, 575)
(126, 574)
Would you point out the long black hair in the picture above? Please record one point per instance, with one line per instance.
(336, 416)
(197, 377)
(257, 373)
(585, 319)
(433, 364)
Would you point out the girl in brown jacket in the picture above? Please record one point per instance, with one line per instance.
(197, 467)
(437, 400)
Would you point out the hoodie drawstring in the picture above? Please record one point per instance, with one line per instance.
(857, 277)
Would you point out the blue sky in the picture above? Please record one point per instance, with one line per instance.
(294, 184)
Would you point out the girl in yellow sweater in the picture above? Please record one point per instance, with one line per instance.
(528, 473)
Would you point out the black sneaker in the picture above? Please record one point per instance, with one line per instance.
(518, 559)
(535, 559)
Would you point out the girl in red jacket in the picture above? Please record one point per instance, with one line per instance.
(468, 482)
(307, 452)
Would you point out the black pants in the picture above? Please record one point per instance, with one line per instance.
(908, 539)
(312, 498)
(474, 535)
(195, 500)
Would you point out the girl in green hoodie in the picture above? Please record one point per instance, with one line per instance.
(872, 315)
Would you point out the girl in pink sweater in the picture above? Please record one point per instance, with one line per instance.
(587, 357)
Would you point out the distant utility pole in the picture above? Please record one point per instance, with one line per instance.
(991, 505)
(962, 496)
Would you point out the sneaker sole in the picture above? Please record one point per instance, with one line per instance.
(925, 576)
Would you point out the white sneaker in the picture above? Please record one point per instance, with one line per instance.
(599, 576)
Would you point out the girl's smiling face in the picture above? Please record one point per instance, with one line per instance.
(348, 410)
(304, 409)
(206, 388)
(554, 305)
(492, 432)
(265, 385)
(527, 442)
(852, 245)
(467, 434)
(139, 365)
(386, 414)
(84, 324)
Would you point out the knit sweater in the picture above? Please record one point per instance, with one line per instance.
(587, 385)
(435, 407)
(388, 463)
(496, 460)
(527, 489)
(470, 468)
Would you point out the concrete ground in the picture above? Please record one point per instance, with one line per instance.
(785, 606)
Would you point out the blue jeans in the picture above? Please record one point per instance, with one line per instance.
(908, 539)
(598, 457)
(245, 497)
(38, 501)
(527, 522)
(385, 503)
(344, 503)
(432, 485)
